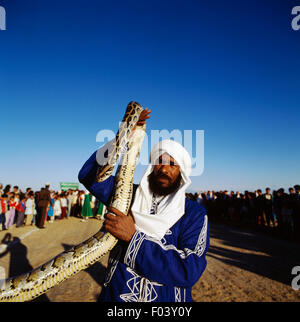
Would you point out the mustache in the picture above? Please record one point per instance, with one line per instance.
(163, 176)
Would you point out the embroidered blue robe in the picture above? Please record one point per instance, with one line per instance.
(147, 269)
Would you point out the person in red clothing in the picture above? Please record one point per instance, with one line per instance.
(12, 211)
(3, 210)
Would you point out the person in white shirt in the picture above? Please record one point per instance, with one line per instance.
(64, 205)
(70, 198)
(57, 206)
(30, 210)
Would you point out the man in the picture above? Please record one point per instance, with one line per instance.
(43, 202)
(27, 192)
(30, 210)
(259, 205)
(163, 241)
(296, 213)
(268, 207)
(70, 202)
(225, 205)
(16, 190)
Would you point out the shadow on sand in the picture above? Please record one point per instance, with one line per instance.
(265, 255)
(19, 263)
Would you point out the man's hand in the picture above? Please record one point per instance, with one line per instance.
(119, 225)
(145, 114)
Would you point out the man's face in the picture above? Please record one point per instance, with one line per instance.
(165, 177)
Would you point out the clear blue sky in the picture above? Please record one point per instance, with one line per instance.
(230, 68)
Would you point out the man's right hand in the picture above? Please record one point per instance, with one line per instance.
(119, 225)
(145, 114)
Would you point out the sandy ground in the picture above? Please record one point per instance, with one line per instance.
(241, 265)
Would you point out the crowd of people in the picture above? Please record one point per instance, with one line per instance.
(26, 208)
(277, 212)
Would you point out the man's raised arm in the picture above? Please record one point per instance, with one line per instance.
(87, 176)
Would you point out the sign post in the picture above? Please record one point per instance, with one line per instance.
(68, 185)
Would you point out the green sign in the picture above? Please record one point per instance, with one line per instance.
(68, 185)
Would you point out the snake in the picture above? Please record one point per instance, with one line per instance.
(126, 145)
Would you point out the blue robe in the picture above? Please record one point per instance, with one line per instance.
(148, 269)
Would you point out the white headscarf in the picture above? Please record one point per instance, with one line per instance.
(172, 207)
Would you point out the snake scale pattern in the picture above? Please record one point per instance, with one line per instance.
(127, 145)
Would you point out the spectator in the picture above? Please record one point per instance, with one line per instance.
(268, 207)
(225, 205)
(213, 205)
(27, 192)
(93, 204)
(16, 190)
(86, 210)
(70, 198)
(80, 202)
(43, 202)
(30, 211)
(259, 206)
(100, 209)
(237, 206)
(291, 205)
(199, 198)
(20, 212)
(64, 205)
(6, 190)
(3, 210)
(12, 211)
(57, 207)
(50, 212)
(278, 201)
(74, 203)
(287, 214)
(244, 213)
(96, 208)
(296, 213)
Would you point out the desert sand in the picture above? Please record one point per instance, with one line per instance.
(242, 265)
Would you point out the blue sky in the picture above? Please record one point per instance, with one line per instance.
(230, 68)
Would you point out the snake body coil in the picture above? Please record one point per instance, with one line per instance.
(31, 285)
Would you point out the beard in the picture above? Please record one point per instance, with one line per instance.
(157, 189)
